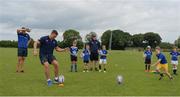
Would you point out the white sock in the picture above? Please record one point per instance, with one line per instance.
(48, 79)
(56, 78)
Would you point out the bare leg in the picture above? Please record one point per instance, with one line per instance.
(56, 68)
(18, 64)
(47, 71)
(22, 64)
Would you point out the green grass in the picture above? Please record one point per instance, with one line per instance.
(129, 64)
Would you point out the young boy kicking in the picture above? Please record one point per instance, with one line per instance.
(103, 60)
(162, 64)
(73, 53)
(147, 57)
(86, 58)
(174, 59)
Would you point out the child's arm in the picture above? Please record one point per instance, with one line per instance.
(155, 64)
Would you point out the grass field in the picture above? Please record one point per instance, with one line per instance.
(129, 64)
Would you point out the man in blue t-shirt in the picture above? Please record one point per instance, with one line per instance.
(23, 41)
(47, 46)
(174, 59)
(161, 64)
(147, 58)
(94, 49)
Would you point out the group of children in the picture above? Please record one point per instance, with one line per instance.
(85, 55)
(162, 63)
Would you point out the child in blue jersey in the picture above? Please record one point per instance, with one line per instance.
(147, 58)
(174, 59)
(161, 64)
(73, 55)
(103, 59)
(86, 58)
(23, 42)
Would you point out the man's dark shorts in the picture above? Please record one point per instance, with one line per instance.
(47, 58)
(147, 61)
(94, 56)
(22, 52)
(73, 58)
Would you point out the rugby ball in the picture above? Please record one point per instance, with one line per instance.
(119, 79)
(61, 79)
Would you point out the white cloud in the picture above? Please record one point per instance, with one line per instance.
(134, 16)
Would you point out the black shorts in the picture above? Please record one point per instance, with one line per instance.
(86, 61)
(22, 52)
(94, 56)
(47, 58)
(147, 61)
(73, 58)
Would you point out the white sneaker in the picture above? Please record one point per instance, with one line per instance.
(99, 70)
(84, 71)
(104, 71)
(87, 71)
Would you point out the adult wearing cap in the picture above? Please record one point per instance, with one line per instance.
(94, 49)
(23, 41)
(147, 58)
(47, 46)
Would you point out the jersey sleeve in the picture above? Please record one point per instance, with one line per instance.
(56, 43)
(42, 40)
(160, 57)
(29, 37)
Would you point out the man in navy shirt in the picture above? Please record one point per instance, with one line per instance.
(47, 46)
(23, 41)
(94, 49)
(174, 59)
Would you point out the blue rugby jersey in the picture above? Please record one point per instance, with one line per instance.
(86, 55)
(47, 45)
(103, 54)
(174, 55)
(74, 51)
(148, 54)
(23, 39)
(162, 58)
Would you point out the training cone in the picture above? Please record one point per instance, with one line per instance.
(61, 85)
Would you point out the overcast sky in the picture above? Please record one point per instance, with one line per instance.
(133, 16)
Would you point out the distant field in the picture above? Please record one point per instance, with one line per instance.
(129, 64)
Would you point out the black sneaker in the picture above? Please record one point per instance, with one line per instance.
(171, 78)
(22, 71)
(161, 76)
(56, 81)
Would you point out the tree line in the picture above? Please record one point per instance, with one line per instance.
(118, 38)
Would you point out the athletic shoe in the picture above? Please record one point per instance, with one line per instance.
(49, 83)
(87, 71)
(161, 76)
(84, 71)
(99, 70)
(56, 81)
(171, 78)
(104, 71)
(22, 71)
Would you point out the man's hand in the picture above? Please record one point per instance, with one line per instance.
(28, 30)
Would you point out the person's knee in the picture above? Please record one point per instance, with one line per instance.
(55, 63)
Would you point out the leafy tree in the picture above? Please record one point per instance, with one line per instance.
(138, 40)
(177, 42)
(69, 36)
(166, 45)
(153, 39)
(120, 39)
